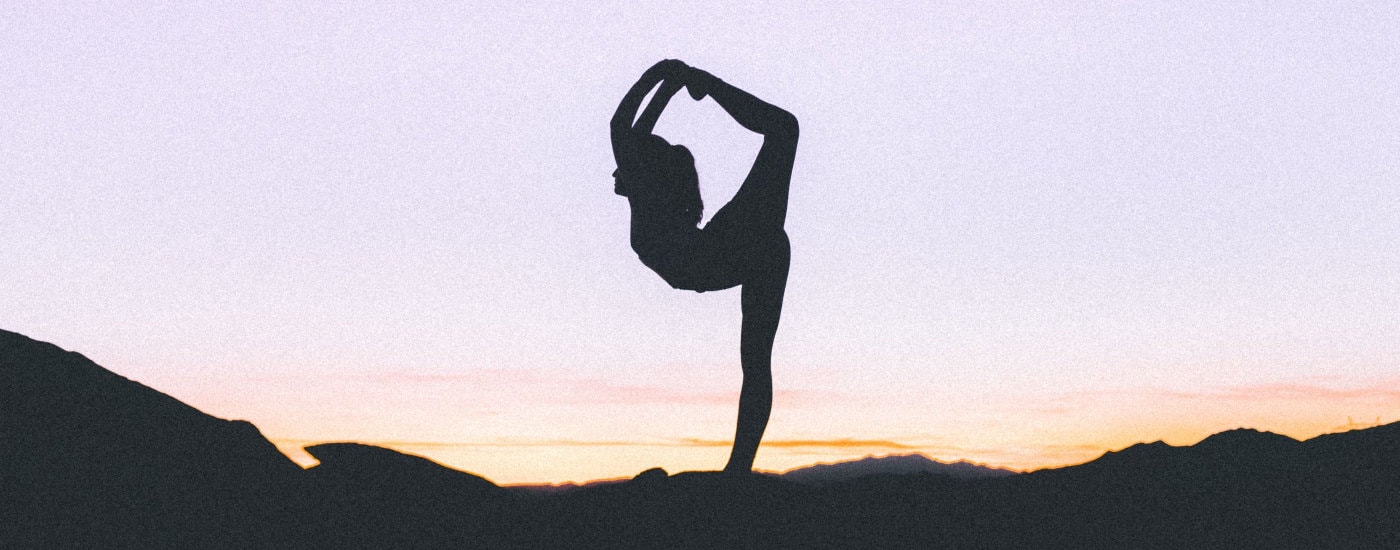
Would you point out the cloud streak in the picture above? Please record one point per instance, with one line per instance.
(1387, 392)
(1384, 391)
(838, 443)
(565, 387)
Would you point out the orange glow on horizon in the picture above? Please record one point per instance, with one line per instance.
(1047, 456)
(584, 430)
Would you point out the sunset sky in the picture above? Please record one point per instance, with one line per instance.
(1023, 233)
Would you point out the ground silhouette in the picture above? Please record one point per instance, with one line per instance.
(91, 459)
(95, 459)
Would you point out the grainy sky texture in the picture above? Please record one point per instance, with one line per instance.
(1022, 233)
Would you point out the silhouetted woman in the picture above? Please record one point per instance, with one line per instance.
(742, 245)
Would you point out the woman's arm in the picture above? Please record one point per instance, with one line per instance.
(624, 147)
(647, 121)
(750, 112)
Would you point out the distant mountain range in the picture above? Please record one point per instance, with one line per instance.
(905, 464)
(827, 474)
(91, 459)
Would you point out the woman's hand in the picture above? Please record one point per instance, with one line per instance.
(698, 82)
(667, 69)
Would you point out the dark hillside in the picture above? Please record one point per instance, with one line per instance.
(91, 459)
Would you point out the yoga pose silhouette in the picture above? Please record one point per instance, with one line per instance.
(743, 245)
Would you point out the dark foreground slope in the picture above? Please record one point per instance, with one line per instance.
(368, 496)
(91, 459)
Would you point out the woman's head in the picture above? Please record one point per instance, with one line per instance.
(669, 171)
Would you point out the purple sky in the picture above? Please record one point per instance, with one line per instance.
(1022, 234)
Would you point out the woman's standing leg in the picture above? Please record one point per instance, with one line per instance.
(762, 303)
